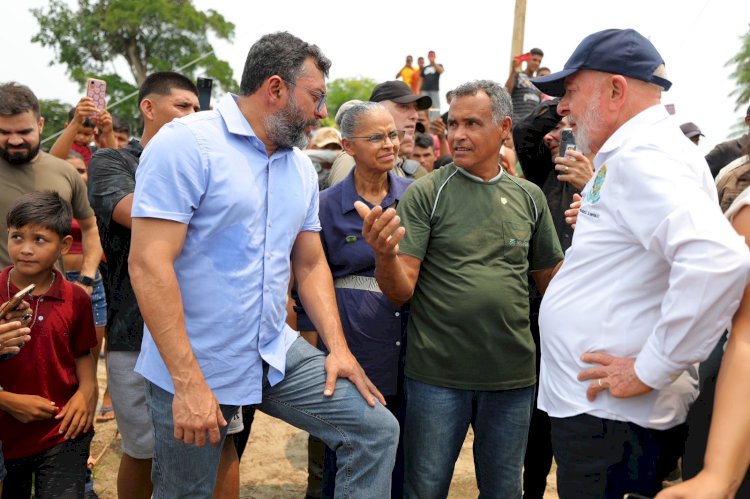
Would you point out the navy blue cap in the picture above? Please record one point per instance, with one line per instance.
(619, 51)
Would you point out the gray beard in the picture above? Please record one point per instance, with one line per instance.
(286, 127)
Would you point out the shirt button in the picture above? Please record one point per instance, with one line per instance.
(397, 314)
(398, 343)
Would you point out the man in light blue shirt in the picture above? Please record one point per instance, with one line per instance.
(222, 199)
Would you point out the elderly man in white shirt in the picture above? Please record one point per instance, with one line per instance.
(651, 281)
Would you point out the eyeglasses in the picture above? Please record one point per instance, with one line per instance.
(320, 96)
(379, 138)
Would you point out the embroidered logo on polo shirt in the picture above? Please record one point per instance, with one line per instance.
(504, 200)
(350, 239)
(518, 242)
(593, 196)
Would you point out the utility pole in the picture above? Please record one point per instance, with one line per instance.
(519, 23)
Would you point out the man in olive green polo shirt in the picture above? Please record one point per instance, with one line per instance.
(460, 247)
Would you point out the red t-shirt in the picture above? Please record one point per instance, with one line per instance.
(84, 151)
(45, 366)
(77, 247)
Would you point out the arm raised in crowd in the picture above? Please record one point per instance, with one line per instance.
(85, 109)
(106, 132)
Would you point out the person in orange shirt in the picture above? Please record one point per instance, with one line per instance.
(407, 72)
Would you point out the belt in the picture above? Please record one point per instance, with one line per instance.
(357, 282)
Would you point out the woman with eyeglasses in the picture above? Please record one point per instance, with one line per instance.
(373, 326)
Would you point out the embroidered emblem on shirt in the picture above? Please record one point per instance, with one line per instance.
(351, 239)
(518, 242)
(593, 195)
(504, 200)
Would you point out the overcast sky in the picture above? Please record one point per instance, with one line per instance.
(472, 40)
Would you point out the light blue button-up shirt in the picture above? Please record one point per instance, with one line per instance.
(244, 211)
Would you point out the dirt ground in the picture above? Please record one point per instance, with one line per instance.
(274, 465)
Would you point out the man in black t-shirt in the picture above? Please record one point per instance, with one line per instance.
(431, 79)
(163, 97)
(524, 94)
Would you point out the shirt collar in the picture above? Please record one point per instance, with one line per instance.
(55, 291)
(349, 192)
(645, 118)
(237, 124)
(480, 180)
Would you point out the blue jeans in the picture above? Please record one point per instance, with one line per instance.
(98, 297)
(364, 437)
(437, 420)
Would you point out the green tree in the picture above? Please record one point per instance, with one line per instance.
(742, 73)
(149, 35)
(342, 90)
(55, 114)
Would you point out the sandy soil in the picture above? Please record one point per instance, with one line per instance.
(274, 464)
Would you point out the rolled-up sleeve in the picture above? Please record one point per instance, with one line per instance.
(677, 219)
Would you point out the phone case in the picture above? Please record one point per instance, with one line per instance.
(97, 90)
(13, 302)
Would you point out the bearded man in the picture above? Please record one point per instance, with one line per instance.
(24, 168)
(652, 279)
(222, 199)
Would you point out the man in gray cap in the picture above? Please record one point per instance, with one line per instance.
(653, 277)
(691, 131)
(402, 103)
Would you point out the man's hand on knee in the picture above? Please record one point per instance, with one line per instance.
(196, 411)
(344, 365)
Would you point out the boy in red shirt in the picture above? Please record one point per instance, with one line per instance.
(50, 392)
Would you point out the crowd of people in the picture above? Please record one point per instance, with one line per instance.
(383, 284)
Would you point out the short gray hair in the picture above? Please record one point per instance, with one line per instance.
(352, 117)
(502, 106)
(343, 108)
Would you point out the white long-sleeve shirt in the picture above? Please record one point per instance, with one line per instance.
(655, 272)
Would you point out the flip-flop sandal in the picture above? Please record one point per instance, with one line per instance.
(106, 413)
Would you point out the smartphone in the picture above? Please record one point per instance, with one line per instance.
(97, 90)
(434, 114)
(567, 141)
(204, 92)
(523, 57)
(16, 299)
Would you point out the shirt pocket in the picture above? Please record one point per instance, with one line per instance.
(516, 241)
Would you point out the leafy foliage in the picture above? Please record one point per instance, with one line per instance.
(149, 35)
(342, 90)
(55, 114)
(742, 73)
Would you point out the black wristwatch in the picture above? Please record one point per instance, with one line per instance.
(86, 281)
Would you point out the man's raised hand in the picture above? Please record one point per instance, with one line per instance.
(380, 228)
